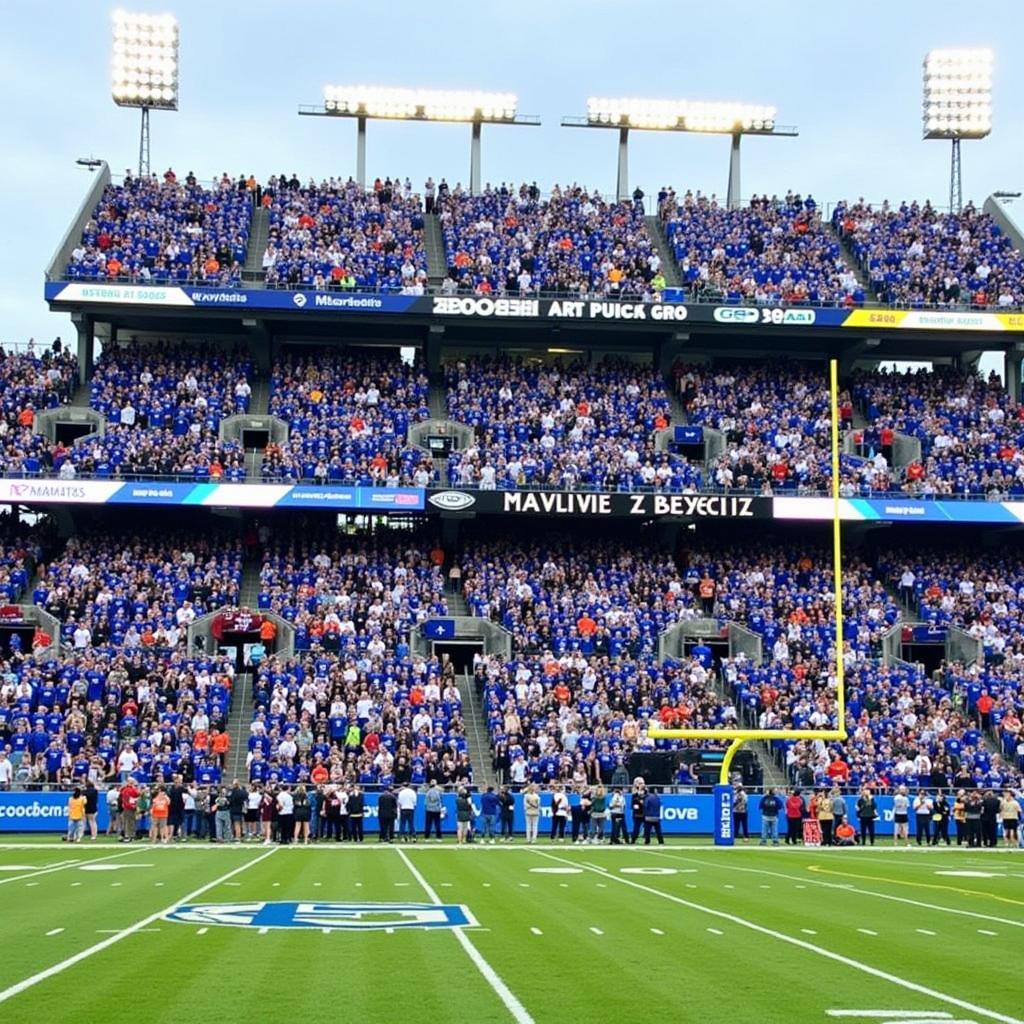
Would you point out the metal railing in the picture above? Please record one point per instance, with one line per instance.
(437, 482)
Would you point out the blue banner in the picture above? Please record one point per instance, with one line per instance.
(930, 634)
(41, 812)
(438, 629)
(723, 816)
(689, 435)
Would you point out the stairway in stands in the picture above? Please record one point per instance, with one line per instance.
(259, 230)
(433, 238)
(242, 703)
(259, 401)
(669, 267)
(851, 260)
(472, 709)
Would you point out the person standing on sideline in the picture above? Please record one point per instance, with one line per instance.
(652, 818)
(221, 804)
(507, 809)
(302, 812)
(252, 812)
(285, 817)
(464, 817)
(489, 805)
(636, 806)
(161, 811)
(923, 805)
(129, 796)
(960, 816)
(617, 813)
(387, 811)
(598, 812)
(838, 806)
(972, 816)
(237, 797)
(76, 817)
(176, 815)
(1009, 811)
(356, 813)
(113, 809)
(434, 811)
(92, 800)
(940, 819)
(407, 813)
(826, 819)
(795, 811)
(740, 826)
(531, 810)
(901, 816)
(990, 819)
(559, 813)
(867, 812)
(770, 806)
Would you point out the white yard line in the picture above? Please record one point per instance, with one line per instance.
(64, 865)
(54, 931)
(810, 947)
(58, 968)
(854, 889)
(892, 1014)
(515, 1008)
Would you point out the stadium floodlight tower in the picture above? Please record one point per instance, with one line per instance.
(389, 104)
(957, 104)
(144, 71)
(732, 119)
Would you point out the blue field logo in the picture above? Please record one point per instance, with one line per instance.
(353, 917)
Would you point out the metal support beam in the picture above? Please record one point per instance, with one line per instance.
(956, 185)
(144, 144)
(622, 179)
(474, 159)
(732, 198)
(1012, 374)
(361, 152)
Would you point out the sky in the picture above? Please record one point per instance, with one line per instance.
(847, 75)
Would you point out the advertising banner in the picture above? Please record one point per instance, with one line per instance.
(682, 814)
(625, 311)
(592, 504)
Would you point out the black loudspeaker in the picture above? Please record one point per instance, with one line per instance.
(657, 769)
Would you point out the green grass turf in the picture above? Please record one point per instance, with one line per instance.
(594, 944)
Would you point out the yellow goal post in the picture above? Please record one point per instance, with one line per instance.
(737, 737)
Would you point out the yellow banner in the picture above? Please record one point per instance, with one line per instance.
(933, 320)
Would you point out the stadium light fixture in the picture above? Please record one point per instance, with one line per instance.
(397, 104)
(706, 118)
(957, 104)
(144, 68)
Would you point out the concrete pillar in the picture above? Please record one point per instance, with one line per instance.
(84, 327)
(1011, 373)
(474, 160)
(733, 197)
(432, 350)
(622, 178)
(361, 152)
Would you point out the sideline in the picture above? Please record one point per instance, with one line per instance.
(800, 943)
(49, 972)
(515, 1008)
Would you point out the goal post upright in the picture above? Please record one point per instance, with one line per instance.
(737, 737)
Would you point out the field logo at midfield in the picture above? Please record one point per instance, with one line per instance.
(354, 917)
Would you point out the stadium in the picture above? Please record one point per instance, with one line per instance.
(498, 598)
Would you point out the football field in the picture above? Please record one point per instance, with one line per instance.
(509, 933)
